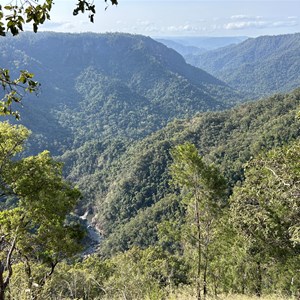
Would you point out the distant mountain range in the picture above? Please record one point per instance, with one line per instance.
(188, 44)
(257, 66)
(183, 49)
(194, 46)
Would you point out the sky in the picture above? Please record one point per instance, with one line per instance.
(159, 18)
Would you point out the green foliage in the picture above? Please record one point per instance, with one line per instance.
(145, 228)
(13, 137)
(108, 117)
(204, 191)
(13, 88)
(79, 280)
(258, 66)
(265, 210)
(188, 170)
(111, 92)
(35, 229)
(14, 16)
(136, 274)
(230, 138)
(83, 6)
(113, 98)
(227, 138)
(270, 193)
(145, 274)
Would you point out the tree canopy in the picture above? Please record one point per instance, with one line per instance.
(14, 16)
(35, 201)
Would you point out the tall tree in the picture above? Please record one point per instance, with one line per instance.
(204, 191)
(33, 227)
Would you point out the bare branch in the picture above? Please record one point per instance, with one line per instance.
(9, 263)
(280, 179)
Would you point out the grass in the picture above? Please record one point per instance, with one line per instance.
(230, 297)
(189, 295)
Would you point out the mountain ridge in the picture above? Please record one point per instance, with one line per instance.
(115, 74)
(258, 66)
(228, 139)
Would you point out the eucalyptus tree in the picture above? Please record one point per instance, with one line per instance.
(204, 192)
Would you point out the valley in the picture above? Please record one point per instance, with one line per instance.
(114, 109)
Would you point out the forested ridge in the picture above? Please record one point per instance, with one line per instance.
(195, 194)
(228, 139)
(107, 84)
(258, 66)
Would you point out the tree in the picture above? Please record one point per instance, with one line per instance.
(266, 208)
(12, 18)
(204, 190)
(14, 90)
(33, 228)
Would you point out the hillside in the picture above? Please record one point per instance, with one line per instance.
(107, 85)
(258, 66)
(137, 190)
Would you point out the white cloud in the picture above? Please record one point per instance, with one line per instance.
(245, 25)
(238, 17)
(245, 17)
(240, 25)
(144, 22)
(151, 29)
(183, 28)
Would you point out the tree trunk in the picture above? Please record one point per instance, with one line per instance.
(2, 285)
(244, 283)
(199, 250)
(2, 294)
(205, 279)
(206, 257)
(258, 287)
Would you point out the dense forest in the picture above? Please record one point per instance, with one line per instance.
(163, 181)
(257, 66)
(144, 85)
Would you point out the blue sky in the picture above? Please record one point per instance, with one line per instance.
(182, 18)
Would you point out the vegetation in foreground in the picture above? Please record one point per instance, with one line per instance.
(188, 296)
(248, 243)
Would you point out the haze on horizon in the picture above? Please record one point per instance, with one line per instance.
(182, 18)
